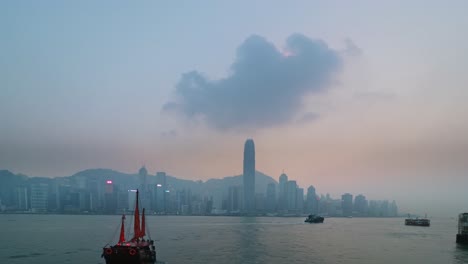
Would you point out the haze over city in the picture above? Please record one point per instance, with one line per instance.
(360, 97)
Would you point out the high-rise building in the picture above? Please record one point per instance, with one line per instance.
(143, 174)
(271, 198)
(161, 190)
(347, 204)
(282, 201)
(22, 200)
(110, 197)
(300, 200)
(312, 202)
(39, 197)
(249, 176)
(393, 210)
(360, 205)
(384, 208)
(291, 196)
(145, 193)
(234, 199)
(260, 202)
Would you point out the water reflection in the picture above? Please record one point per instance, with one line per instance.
(250, 247)
(460, 253)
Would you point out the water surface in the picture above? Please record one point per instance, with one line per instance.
(78, 239)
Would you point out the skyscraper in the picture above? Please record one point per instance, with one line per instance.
(145, 195)
(161, 192)
(300, 200)
(271, 198)
(143, 174)
(291, 196)
(361, 204)
(234, 199)
(312, 203)
(282, 201)
(249, 176)
(347, 204)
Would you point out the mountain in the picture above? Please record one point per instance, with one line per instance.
(261, 182)
(211, 186)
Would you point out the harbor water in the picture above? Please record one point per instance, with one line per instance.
(78, 239)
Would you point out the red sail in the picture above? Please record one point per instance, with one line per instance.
(143, 224)
(122, 230)
(136, 226)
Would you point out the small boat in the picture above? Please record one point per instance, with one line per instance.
(139, 249)
(314, 219)
(462, 236)
(417, 221)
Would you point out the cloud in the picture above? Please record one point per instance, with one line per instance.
(374, 96)
(265, 87)
(308, 117)
(351, 48)
(169, 133)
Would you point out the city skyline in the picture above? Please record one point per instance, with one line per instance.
(349, 97)
(284, 186)
(111, 192)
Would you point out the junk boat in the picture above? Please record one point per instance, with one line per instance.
(139, 249)
(314, 219)
(417, 221)
(462, 236)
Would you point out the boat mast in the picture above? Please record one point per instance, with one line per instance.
(136, 226)
(122, 230)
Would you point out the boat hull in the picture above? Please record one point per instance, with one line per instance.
(462, 239)
(417, 222)
(129, 255)
(314, 219)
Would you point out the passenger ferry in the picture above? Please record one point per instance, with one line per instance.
(417, 221)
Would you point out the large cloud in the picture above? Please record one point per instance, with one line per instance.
(265, 87)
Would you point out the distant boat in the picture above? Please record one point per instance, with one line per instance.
(462, 236)
(417, 221)
(314, 219)
(137, 250)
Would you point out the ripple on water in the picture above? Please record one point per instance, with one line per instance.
(25, 255)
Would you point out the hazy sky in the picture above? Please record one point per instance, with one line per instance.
(350, 96)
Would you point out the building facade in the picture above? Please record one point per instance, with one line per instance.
(249, 177)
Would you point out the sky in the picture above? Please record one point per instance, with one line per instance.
(349, 96)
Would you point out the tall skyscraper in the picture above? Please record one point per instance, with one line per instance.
(249, 176)
(161, 192)
(291, 196)
(143, 174)
(145, 195)
(347, 204)
(312, 203)
(300, 200)
(282, 201)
